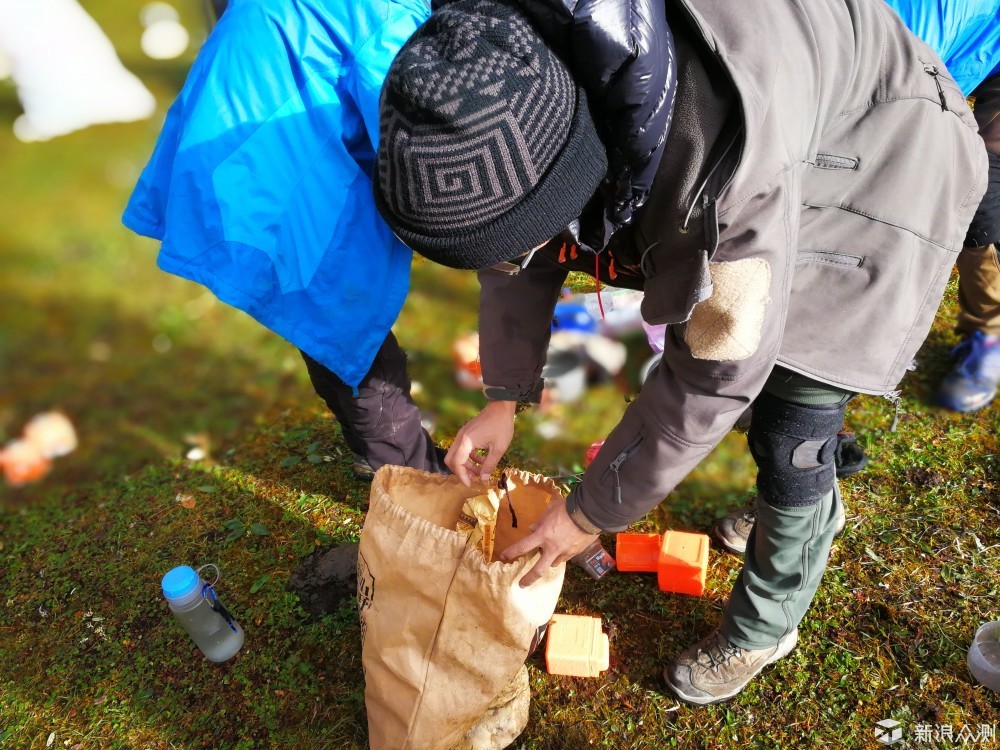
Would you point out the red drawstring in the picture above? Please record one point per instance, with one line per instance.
(562, 253)
(597, 281)
(572, 251)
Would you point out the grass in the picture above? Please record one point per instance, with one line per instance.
(148, 365)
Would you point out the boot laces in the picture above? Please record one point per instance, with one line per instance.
(719, 652)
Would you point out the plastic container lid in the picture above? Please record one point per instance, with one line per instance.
(180, 582)
(984, 656)
(576, 646)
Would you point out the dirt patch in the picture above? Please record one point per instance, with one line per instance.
(921, 477)
(326, 579)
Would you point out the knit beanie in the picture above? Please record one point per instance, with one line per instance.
(487, 148)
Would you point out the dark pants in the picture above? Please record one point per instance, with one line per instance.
(214, 9)
(381, 424)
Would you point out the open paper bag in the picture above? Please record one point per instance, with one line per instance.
(443, 631)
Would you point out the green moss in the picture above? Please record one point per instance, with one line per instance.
(89, 651)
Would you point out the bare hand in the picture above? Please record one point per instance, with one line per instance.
(491, 431)
(555, 535)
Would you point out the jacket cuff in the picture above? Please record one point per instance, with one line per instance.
(530, 394)
(589, 511)
(580, 518)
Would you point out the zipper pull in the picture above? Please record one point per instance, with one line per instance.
(894, 398)
(615, 466)
(933, 72)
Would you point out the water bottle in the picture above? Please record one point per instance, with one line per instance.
(198, 609)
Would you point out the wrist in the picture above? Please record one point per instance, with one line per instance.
(503, 408)
(578, 517)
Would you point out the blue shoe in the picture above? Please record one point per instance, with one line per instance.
(972, 382)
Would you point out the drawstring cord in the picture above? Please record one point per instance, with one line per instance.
(597, 282)
(597, 270)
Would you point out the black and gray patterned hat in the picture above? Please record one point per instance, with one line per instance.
(487, 148)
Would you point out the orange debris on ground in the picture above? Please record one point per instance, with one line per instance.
(29, 458)
(23, 463)
(52, 433)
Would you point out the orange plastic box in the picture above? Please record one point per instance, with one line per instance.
(576, 646)
(683, 563)
(679, 559)
(637, 553)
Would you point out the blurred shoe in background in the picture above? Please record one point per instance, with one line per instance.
(972, 382)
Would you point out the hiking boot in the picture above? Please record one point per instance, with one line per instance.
(714, 670)
(362, 469)
(732, 531)
(972, 382)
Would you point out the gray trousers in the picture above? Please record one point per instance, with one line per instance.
(789, 546)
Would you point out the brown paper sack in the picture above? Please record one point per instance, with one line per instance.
(443, 631)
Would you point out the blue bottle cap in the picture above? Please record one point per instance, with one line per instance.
(570, 316)
(180, 582)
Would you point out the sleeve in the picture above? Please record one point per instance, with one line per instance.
(515, 324)
(373, 58)
(688, 404)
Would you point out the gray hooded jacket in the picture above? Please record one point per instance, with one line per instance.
(816, 185)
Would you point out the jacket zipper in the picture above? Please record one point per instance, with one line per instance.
(711, 173)
(739, 131)
(933, 72)
(617, 464)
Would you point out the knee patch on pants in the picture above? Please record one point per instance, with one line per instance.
(985, 227)
(794, 447)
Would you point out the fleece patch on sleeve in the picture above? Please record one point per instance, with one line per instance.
(727, 326)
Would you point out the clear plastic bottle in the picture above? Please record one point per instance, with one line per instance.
(984, 655)
(201, 614)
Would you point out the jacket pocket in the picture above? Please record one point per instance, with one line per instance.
(857, 318)
(835, 161)
(832, 259)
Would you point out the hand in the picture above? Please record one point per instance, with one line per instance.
(491, 430)
(555, 535)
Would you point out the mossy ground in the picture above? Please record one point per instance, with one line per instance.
(148, 366)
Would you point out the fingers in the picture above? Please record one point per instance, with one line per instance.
(489, 463)
(458, 458)
(529, 544)
(535, 573)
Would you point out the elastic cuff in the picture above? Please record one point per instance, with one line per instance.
(580, 518)
(531, 394)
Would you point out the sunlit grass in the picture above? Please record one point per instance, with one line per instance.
(147, 366)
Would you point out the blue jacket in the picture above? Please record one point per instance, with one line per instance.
(259, 186)
(964, 33)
